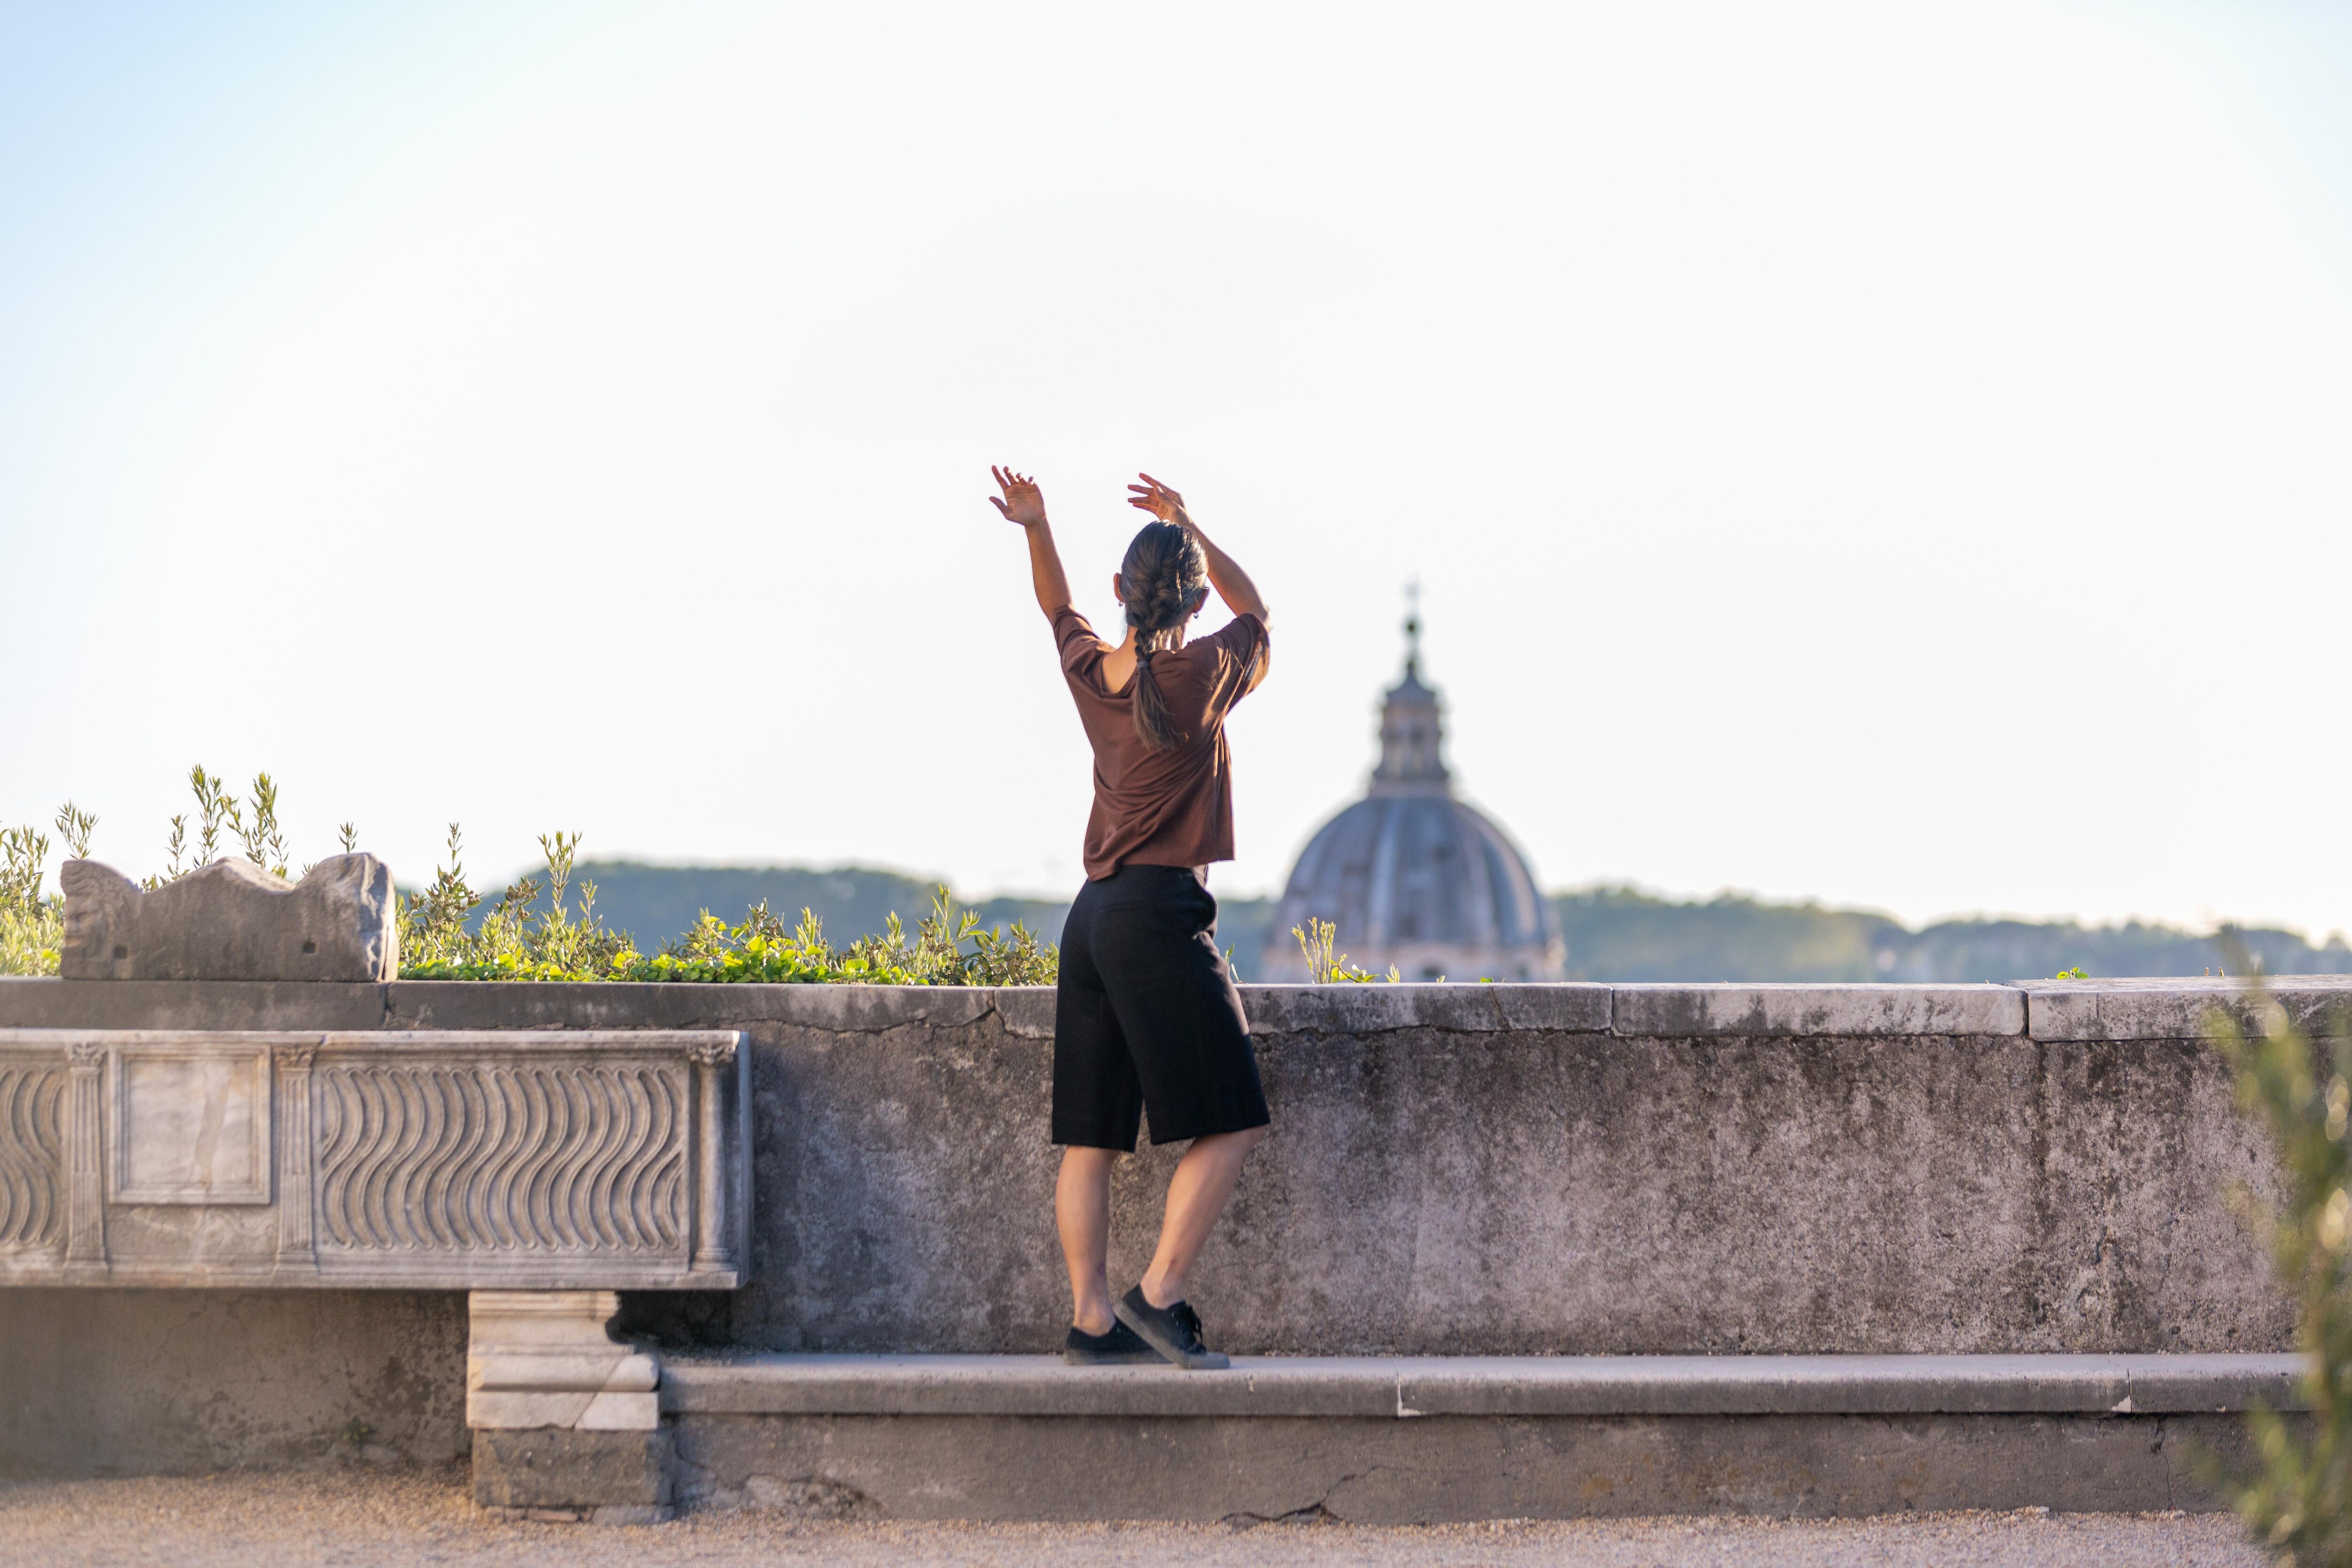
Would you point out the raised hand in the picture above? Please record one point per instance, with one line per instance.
(1158, 500)
(1232, 584)
(1022, 501)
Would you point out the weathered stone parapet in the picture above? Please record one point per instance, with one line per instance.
(2045, 1010)
(1455, 1170)
(233, 921)
(416, 1159)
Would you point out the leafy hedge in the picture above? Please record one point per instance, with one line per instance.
(511, 943)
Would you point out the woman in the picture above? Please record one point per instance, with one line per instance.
(1147, 1017)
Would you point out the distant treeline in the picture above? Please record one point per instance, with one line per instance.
(1613, 933)
(1619, 933)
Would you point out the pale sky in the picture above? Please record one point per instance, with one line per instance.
(1890, 454)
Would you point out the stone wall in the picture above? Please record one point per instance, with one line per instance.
(128, 1382)
(1454, 1170)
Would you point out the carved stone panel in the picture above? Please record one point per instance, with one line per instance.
(32, 1152)
(598, 1159)
(485, 1157)
(189, 1124)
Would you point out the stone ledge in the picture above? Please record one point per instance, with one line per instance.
(46, 1003)
(1027, 1011)
(1671, 1011)
(1406, 1386)
(2172, 1009)
(1572, 1008)
(2165, 1009)
(1683, 1011)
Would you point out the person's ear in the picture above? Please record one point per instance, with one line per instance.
(1119, 587)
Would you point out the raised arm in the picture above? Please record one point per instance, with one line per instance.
(1024, 503)
(1225, 575)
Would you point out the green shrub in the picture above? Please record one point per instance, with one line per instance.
(1324, 967)
(2299, 1499)
(32, 928)
(949, 947)
(509, 943)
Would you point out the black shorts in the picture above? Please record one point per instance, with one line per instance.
(1146, 1017)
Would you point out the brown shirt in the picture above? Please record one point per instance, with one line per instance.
(1162, 808)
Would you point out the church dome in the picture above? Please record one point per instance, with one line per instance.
(1413, 876)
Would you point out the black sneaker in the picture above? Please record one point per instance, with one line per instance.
(1118, 1348)
(1174, 1330)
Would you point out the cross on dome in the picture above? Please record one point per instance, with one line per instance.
(1412, 729)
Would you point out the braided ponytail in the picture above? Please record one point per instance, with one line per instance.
(1160, 584)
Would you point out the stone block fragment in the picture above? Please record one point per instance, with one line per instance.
(233, 921)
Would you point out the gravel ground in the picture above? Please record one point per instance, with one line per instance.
(402, 1517)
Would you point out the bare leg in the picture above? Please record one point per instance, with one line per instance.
(1082, 1212)
(1204, 1179)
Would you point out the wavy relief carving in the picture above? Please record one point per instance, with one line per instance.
(536, 1157)
(32, 1156)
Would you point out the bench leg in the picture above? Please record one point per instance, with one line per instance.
(566, 1423)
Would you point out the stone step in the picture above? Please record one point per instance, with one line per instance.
(1439, 1439)
(1407, 1386)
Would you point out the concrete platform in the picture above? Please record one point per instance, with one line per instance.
(1402, 1440)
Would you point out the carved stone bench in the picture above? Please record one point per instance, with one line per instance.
(541, 1170)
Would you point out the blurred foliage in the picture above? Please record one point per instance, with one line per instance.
(32, 928)
(2298, 1500)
